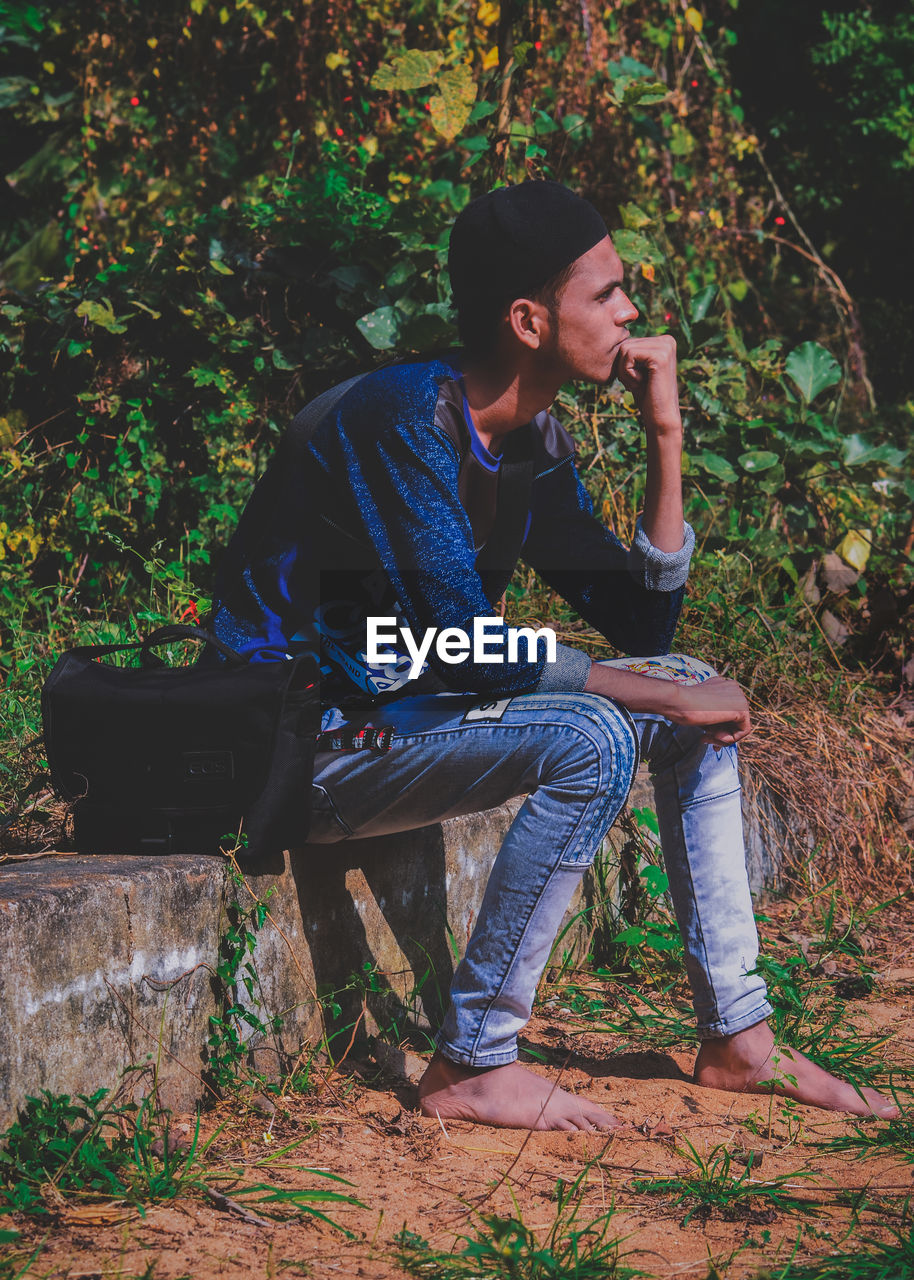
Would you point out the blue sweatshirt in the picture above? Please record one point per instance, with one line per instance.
(386, 510)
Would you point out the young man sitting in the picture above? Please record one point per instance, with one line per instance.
(406, 494)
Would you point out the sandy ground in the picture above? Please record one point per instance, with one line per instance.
(435, 1179)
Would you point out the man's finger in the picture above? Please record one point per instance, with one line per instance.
(726, 735)
(628, 370)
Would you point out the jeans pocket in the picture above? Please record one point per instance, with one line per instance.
(326, 823)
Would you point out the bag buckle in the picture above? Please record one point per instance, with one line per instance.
(346, 739)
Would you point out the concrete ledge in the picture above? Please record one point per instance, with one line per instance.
(108, 962)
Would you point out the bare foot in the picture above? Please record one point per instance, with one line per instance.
(750, 1062)
(510, 1097)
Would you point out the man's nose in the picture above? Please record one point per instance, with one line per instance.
(628, 311)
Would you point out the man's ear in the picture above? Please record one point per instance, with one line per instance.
(528, 321)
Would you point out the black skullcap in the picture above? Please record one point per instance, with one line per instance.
(509, 242)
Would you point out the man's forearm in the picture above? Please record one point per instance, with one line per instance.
(637, 693)
(716, 705)
(662, 517)
(647, 368)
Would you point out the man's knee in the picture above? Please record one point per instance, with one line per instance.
(605, 731)
(681, 667)
(696, 668)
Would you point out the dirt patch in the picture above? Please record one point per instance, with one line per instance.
(698, 1182)
(435, 1180)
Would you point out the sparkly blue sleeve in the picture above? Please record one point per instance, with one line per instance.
(403, 475)
(633, 597)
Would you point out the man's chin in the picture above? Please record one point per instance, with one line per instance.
(614, 360)
(601, 379)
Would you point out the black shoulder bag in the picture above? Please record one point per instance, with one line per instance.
(159, 759)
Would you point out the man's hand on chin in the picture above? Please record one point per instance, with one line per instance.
(647, 368)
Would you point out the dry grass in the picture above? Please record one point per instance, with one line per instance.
(843, 786)
(834, 747)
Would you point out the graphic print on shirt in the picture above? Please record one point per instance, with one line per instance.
(339, 631)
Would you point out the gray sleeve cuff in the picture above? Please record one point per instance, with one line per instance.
(568, 674)
(660, 570)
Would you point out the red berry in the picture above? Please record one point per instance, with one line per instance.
(134, 102)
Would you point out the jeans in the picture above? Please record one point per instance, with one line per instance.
(573, 756)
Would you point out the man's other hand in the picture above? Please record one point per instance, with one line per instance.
(647, 368)
(718, 706)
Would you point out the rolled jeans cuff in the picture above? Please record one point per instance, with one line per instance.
(502, 1058)
(729, 1026)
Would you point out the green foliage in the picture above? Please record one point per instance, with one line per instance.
(836, 121)
(573, 1248)
(449, 108)
(812, 370)
(92, 1146)
(875, 57)
(15, 1264)
(810, 1012)
(650, 943)
(101, 1148)
(716, 1186)
(238, 1027)
(411, 69)
(895, 1138)
(656, 1019)
(218, 214)
(398, 1010)
(872, 1259)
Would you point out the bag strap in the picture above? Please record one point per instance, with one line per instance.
(168, 634)
(515, 483)
(175, 631)
(307, 420)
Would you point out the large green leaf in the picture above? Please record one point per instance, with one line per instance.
(633, 246)
(634, 218)
(102, 314)
(682, 142)
(627, 68)
(412, 69)
(757, 460)
(715, 465)
(51, 163)
(380, 327)
(811, 368)
(631, 93)
(23, 269)
(772, 479)
(633, 82)
(701, 303)
(450, 108)
(858, 451)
